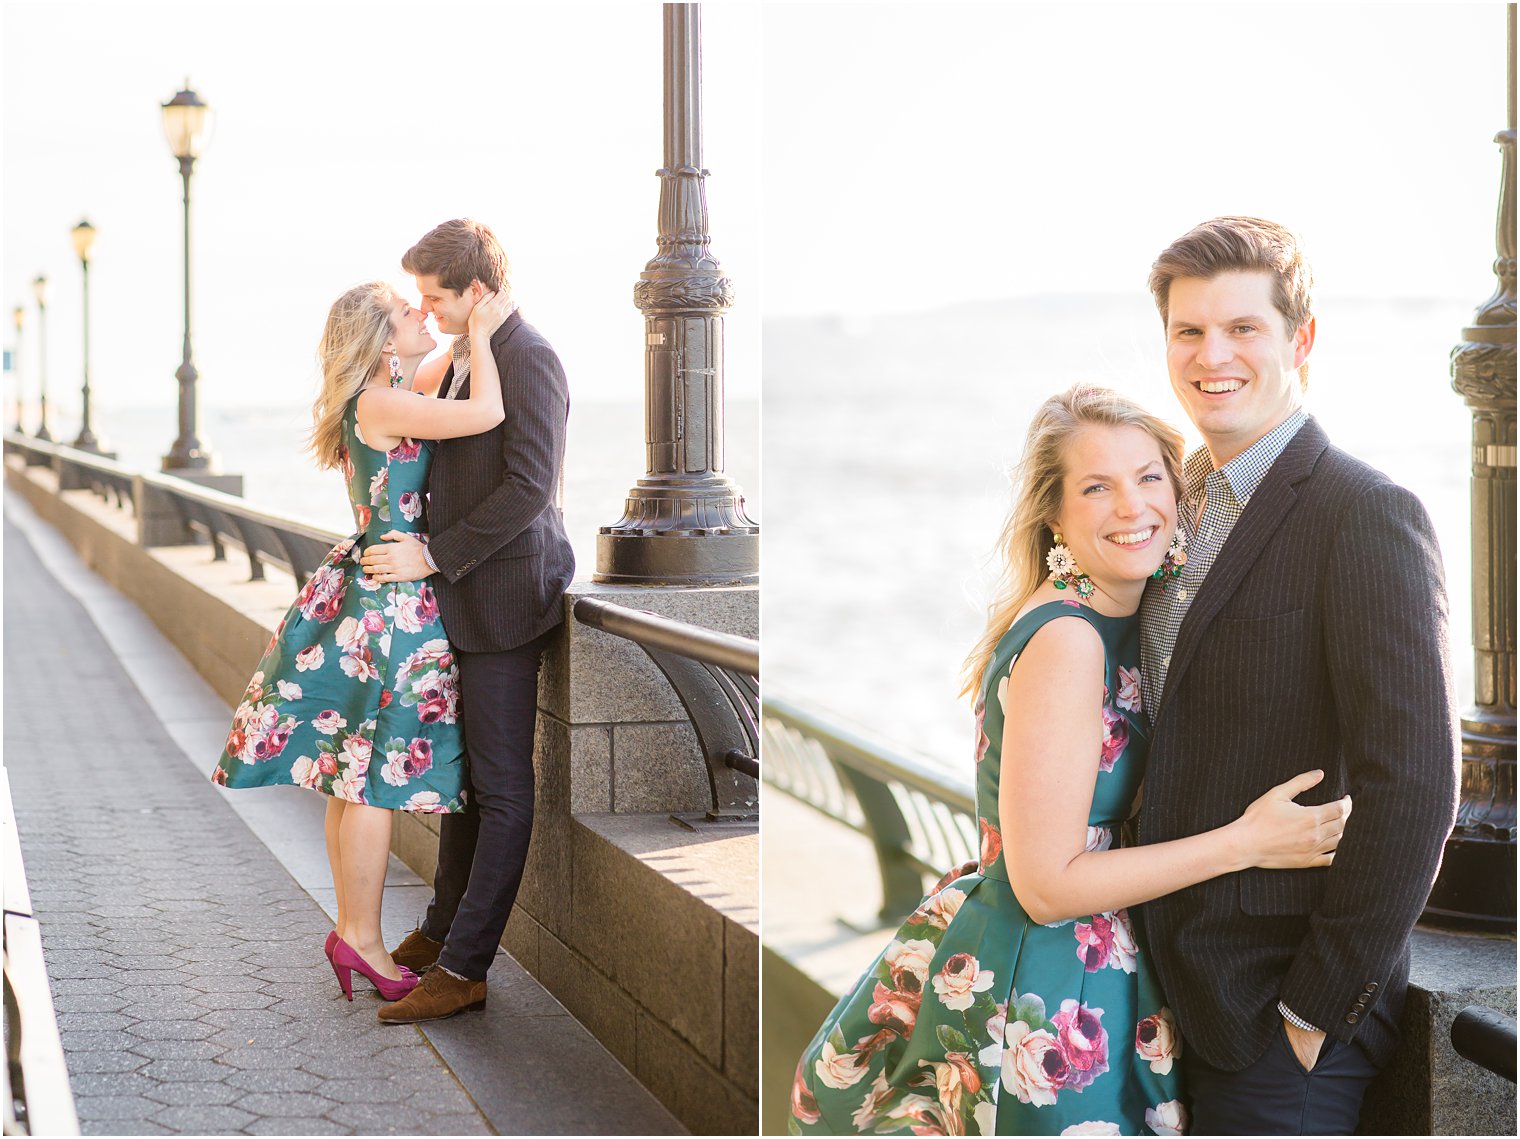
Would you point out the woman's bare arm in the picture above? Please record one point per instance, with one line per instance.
(1052, 741)
(394, 412)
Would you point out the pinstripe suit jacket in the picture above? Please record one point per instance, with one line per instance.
(498, 540)
(1317, 640)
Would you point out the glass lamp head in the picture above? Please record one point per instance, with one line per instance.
(187, 123)
(84, 239)
(39, 289)
(18, 314)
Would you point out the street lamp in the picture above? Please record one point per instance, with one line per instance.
(18, 314)
(84, 239)
(39, 290)
(187, 122)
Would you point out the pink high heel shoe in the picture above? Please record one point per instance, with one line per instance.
(345, 959)
(327, 946)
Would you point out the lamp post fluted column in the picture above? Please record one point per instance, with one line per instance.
(84, 237)
(39, 290)
(1476, 886)
(186, 454)
(684, 521)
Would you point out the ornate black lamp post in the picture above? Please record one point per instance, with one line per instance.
(1476, 886)
(84, 240)
(187, 123)
(18, 315)
(684, 521)
(39, 290)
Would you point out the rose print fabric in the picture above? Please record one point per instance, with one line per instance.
(977, 1021)
(357, 695)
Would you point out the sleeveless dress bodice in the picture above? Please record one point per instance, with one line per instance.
(977, 1020)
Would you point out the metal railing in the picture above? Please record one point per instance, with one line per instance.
(36, 1094)
(921, 820)
(716, 678)
(1487, 1038)
(173, 511)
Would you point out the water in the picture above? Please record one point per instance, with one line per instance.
(886, 443)
(604, 458)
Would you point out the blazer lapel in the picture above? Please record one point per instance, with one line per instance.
(1265, 512)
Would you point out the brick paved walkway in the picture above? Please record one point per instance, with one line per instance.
(191, 991)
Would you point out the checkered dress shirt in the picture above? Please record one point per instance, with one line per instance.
(459, 352)
(1224, 494)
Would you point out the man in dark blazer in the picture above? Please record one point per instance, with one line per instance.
(501, 563)
(1307, 630)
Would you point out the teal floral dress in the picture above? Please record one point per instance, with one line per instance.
(978, 1021)
(357, 695)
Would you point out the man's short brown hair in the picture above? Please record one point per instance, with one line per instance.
(1240, 244)
(458, 252)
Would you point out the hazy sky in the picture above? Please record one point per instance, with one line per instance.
(343, 132)
(920, 155)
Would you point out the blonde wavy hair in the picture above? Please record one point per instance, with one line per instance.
(353, 342)
(1026, 537)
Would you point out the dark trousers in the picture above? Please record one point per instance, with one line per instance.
(1275, 1096)
(482, 849)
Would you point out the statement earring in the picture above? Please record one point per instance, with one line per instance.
(395, 364)
(1176, 557)
(1064, 570)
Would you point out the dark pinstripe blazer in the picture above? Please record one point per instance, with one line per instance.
(1318, 640)
(498, 540)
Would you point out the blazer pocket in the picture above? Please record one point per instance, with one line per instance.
(525, 544)
(1249, 630)
(1280, 893)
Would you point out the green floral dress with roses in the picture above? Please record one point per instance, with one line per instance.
(357, 695)
(976, 1020)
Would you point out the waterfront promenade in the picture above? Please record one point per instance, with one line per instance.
(182, 925)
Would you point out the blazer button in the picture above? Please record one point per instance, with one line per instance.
(1352, 1018)
(1361, 1004)
(1372, 986)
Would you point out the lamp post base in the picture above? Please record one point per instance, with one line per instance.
(189, 460)
(86, 441)
(689, 558)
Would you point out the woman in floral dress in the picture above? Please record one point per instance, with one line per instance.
(357, 694)
(1018, 999)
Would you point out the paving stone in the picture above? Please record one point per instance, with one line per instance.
(264, 1040)
(203, 1120)
(172, 1030)
(179, 1007)
(111, 1108)
(113, 1041)
(300, 1126)
(191, 1095)
(234, 1000)
(93, 1021)
(245, 1018)
(103, 1062)
(173, 1071)
(275, 1080)
(89, 1002)
(178, 1049)
(110, 1084)
(284, 1103)
(226, 983)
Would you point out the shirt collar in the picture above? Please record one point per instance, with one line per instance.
(1245, 471)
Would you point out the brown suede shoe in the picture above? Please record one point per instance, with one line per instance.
(437, 995)
(418, 952)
